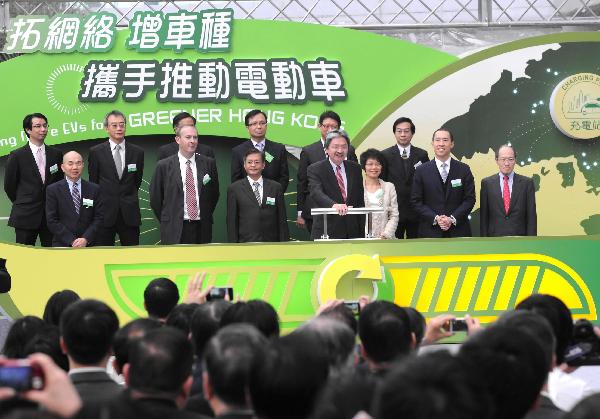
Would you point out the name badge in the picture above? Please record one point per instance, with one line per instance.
(206, 179)
(268, 157)
(132, 167)
(53, 169)
(270, 201)
(417, 164)
(456, 183)
(88, 202)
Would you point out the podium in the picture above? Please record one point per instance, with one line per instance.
(351, 211)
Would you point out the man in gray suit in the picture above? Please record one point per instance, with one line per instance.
(507, 206)
(184, 192)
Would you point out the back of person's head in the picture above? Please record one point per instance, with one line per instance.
(20, 333)
(558, 315)
(205, 323)
(47, 341)
(536, 326)
(287, 377)
(57, 303)
(335, 338)
(124, 337)
(181, 317)
(431, 386)
(228, 358)
(342, 313)
(511, 364)
(588, 408)
(256, 312)
(160, 362)
(160, 297)
(384, 330)
(417, 324)
(87, 328)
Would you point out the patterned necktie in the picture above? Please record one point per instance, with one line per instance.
(404, 154)
(340, 181)
(506, 194)
(190, 192)
(118, 161)
(444, 172)
(41, 164)
(76, 198)
(260, 146)
(256, 191)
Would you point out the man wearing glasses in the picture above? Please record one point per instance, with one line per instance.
(118, 168)
(312, 153)
(276, 167)
(29, 170)
(507, 206)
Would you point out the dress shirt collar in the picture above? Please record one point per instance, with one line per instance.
(438, 163)
(34, 148)
(183, 159)
(86, 369)
(70, 183)
(334, 166)
(260, 181)
(407, 148)
(263, 142)
(511, 176)
(113, 144)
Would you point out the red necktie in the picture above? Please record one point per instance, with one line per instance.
(506, 194)
(190, 192)
(340, 181)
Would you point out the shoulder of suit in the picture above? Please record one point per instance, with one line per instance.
(241, 147)
(274, 145)
(272, 183)
(459, 163)
(389, 150)
(204, 158)
(134, 146)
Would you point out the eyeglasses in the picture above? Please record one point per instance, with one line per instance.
(507, 159)
(329, 126)
(257, 123)
(38, 126)
(120, 125)
(403, 131)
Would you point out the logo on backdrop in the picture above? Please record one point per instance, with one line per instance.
(575, 106)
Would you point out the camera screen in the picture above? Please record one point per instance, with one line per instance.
(17, 377)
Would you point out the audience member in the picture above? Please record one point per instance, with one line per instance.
(181, 317)
(258, 313)
(160, 297)
(22, 331)
(47, 341)
(125, 336)
(338, 311)
(57, 303)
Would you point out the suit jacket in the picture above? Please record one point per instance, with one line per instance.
(172, 148)
(118, 194)
(166, 195)
(384, 224)
(521, 219)
(63, 222)
(325, 192)
(401, 173)
(431, 197)
(545, 410)
(276, 169)
(95, 386)
(24, 187)
(310, 154)
(249, 222)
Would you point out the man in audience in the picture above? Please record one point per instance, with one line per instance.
(258, 313)
(87, 328)
(125, 337)
(160, 297)
(168, 150)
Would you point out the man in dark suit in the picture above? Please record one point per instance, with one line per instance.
(275, 154)
(184, 192)
(118, 168)
(507, 200)
(172, 148)
(401, 161)
(443, 192)
(74, 207)
(337, 183)
(29, 170)
(312, 153)
(87, 328)
(255, 206)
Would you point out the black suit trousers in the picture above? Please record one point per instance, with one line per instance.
(128, 235)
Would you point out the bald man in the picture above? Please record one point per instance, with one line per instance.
(73, 206)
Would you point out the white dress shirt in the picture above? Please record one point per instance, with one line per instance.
(439, 163)
(183, 169)
(511, 176)
(343, 172)
(260, 186)
(401, 149)
(121, 152)
(34, 149)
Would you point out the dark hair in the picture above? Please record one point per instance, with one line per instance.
(256, 312)
(87, 328)
(417, 324)
(372, 153)
(402, 120)
(47, 341)
(497, 151)
(335, 134)
(160, 297)
(114, 112)
(28, 121)
(510, 364)
(443, 129)
(384, 330)
(252, 114)
(557, 314)
(286, 378)
(57, 303)
(181, 317)
(205, 323)
(124, 337)
(21, 332)
(160, 362)
(254, 150)
(330, 115)
(180, 116)
(228, 358)
(342, 314)
(588, 408)
(431, 386)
